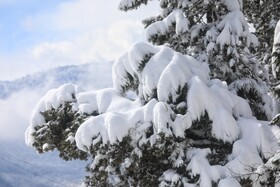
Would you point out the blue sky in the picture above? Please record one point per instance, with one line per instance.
(37, 35)
(13, 34)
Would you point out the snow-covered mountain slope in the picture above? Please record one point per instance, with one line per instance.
(21, 166)
(92, 75)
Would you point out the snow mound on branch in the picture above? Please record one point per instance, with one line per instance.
(251, 84)
(221, 105)
(232, 182)
(161, 28)
(276, 42)
(112, 127)
(232, 27)
(102, 101)
(199, 165)
(262, 141)
(52, 100)
(233, 4)
(164, 72)
(176, 74)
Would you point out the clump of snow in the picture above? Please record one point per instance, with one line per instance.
(232, 182)
(233, 26)
(162, 115)
(161, 28)
(250, 84)
(165, 71)
(102, 101)
(171, 176)
(153, 71)
(276, 41)
(176, 74)
(111, 127)
(52, 100)
(232, 4)
(199, 165)
(137, 54)
(221, 105)
(249, 151)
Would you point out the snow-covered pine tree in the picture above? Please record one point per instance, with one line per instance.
(276, 52)
(166, 121)
(276, 65)
(57, 123)
(270, 170)
(264, 16)
(215, 32)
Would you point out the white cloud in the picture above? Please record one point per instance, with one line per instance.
(47, 49)
(105, 43)
(123, 33)
(15, 113)
(75, 32)
(85, 16)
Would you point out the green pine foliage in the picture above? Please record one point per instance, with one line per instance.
(133, 4)
(264, 16)
(59, 132)
(144, 164)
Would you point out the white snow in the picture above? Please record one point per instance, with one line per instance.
(102, 101)
(199, 165)
(170, 176)
(232, 27)
(247, 85)
(53, 99)
(113, 126)
(176, 74)
(232, 182)
(220, 104)
(155, 74)
(153, 70)
(162, 27)
(162, 115)
(256, 141)
(274, 48)
(232, 4)
(164, 72)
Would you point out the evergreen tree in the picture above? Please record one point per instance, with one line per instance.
(268, 172)
(215, 32)
(264, 16)
(276, 64)
(175, 116)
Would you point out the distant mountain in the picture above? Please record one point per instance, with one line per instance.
(92, 75)
(20, 166)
